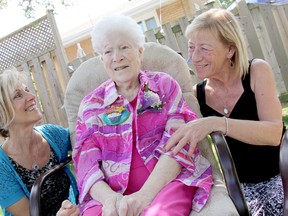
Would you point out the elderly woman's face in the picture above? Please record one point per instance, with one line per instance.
(121, 58)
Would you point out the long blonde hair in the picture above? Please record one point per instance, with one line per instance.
(10, 80)
(223, 23)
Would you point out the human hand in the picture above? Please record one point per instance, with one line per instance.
(111, 205)
(134, 204)
(190, 133)
(68, 209)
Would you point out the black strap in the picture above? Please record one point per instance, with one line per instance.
(201, 93)
(246, 80)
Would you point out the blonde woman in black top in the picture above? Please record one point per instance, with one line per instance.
(239, 98)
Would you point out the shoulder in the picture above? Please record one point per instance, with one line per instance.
(159, 81)
(5, 165)
(58, 138)
(54, 134)
(156, 75)
(51, 128)
(99, 92)
(96, 98)
(259, 65)
(261, 73)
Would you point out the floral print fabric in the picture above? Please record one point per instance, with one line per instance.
(104, 137)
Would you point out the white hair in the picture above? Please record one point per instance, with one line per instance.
(116, 24)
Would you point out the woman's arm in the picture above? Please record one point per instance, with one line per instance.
(166, 170)
(20, 208)
(110, 199)
(114, 203)
(266, 131)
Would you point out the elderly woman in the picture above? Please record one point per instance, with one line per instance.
(29, 151)
(122, 128)
(239, 98)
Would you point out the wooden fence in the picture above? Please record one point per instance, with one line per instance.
(37, 49)
(265, 27)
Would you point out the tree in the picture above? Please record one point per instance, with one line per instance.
(29, 6)
(3, 4)
(226, 3)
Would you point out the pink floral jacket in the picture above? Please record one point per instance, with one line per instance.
(104, 136)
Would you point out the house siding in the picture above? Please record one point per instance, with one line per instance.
(170, 14)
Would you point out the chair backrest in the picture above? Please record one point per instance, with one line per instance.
(35, 194)
(91, 73)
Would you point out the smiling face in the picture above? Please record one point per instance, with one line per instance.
(208, 54)
(121, 58)
(24, 104)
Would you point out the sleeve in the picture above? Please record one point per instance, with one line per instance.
(179, 112)
(86, 153)
(196, 169)
(11, 190)
(58, 137)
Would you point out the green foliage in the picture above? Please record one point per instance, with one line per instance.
(226, 3)
(29, 6)
(3, 4)
(285, 116)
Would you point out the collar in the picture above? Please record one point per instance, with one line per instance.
(111, 94)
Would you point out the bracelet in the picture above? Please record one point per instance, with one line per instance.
(226, 126)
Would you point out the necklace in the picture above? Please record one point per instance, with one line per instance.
(35, 165)
(225, 110)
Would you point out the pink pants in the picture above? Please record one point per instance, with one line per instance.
(175, 199)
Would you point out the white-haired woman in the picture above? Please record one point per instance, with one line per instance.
(239, 98)
(122, 127)
(28, 150)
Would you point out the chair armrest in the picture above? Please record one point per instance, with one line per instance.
(219, 202)
(229, 173)
(35, 195)
(284, 170)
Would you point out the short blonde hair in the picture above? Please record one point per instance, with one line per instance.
(223, 23)
(10, 80)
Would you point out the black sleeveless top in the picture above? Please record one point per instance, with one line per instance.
(253, 163)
